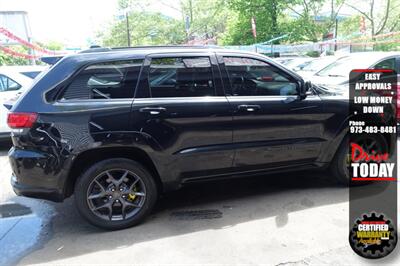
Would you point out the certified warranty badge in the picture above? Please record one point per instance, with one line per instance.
(373, 236)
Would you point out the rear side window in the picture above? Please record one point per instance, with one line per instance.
(181, 77)
(7, 84)
(109, 80)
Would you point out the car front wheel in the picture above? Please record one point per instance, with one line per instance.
(115, 193)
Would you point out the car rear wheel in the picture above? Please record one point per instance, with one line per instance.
(115, 193)
(371, 143)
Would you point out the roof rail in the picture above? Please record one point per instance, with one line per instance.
(167, 46)
(108, 49)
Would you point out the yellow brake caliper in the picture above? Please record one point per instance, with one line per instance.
(131, 197)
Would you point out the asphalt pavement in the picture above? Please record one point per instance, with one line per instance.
(283, 219)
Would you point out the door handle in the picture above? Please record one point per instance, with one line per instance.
(249, 108)
(152, 110)
(289, 99)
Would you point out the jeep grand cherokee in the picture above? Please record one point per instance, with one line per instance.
(117, 127)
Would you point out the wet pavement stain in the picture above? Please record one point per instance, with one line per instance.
(13, 209)
(196, 214)
(19, 232)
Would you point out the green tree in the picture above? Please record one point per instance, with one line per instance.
(302, 20)
(53, 46)
(146, 28)
(8, 60)
(207, 17)
(381, 16)
(307, 22)
(350, 27)
(266, 14)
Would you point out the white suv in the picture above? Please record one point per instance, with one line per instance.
(13, 80)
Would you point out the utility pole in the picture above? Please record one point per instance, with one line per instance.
(254, 30)
(187, 28)
(127, 29)
(336, 33)
(191, 11)
(31, 52)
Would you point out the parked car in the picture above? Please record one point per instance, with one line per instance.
(12, 81)
(295, 63)
(316, 65)
(283, 60)
(300, 63)
(118, 127)
(336, 74)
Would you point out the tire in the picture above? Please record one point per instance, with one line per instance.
(121, 185)
(339, 167)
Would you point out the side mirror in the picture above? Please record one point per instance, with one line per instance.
(304, 88)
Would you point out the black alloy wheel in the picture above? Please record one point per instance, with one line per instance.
(115, 193)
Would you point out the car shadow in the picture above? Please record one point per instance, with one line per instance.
(200, 207)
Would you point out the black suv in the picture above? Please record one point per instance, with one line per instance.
(117, 127)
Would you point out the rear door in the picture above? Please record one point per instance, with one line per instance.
(180, 105)
(272, 126)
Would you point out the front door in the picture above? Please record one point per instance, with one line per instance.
(272, 126)
(181, 106)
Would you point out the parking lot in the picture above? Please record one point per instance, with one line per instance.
(298, 219)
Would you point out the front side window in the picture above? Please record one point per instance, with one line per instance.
(7, 84)
(251, 77)
(109, 80)
(181, 77)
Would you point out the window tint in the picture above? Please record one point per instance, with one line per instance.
(7, 84)
(386, 64)
(110, 80)
(253, 77)
(181, 77)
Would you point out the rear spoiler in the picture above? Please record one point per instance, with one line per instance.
(51, 60)
(8, 106)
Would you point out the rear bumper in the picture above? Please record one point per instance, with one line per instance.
(35, 192)
(32, 176)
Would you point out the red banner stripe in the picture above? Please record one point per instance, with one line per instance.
(373, 222)
(374, 70)
(10, 35)
(373, 179)
(17, 54)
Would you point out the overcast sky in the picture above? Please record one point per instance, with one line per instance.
(72, 22)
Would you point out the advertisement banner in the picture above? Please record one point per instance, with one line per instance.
(372, 162)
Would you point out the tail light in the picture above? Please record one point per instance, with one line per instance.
(21, 120)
